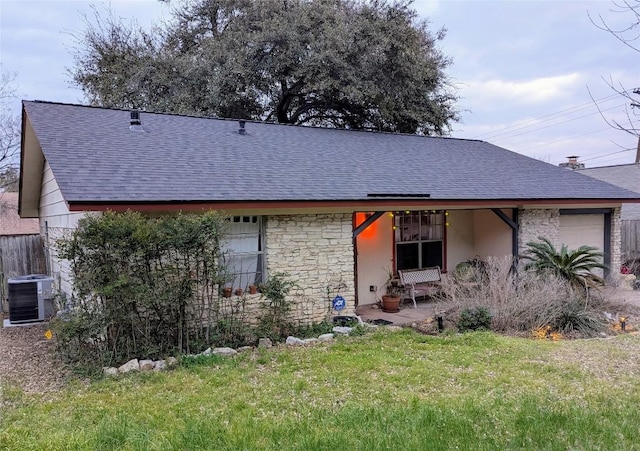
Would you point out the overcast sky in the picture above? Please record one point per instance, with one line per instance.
(523, 69)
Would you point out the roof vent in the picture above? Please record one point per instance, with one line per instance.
(241, 129)
(135, 117)
(135, 124)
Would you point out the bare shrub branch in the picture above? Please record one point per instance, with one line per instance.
(525, 300)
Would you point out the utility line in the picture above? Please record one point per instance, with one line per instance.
(600, 152)
(560, 113)
(608, 154)
(566, 139)
(552, 125)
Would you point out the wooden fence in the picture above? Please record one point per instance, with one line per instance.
(630, 239)
(20, 255)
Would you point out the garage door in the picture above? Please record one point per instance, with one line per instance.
(578, 230)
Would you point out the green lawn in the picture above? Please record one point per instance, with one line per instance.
(387, 390)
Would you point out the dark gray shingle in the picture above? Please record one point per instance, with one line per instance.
(96, 157)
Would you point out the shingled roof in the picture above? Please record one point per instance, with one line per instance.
(96, 157)
(626, 176)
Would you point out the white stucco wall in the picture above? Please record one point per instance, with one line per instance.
(491, 236)
(374, 254)
(460, 237)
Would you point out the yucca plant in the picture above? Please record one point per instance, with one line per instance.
(576, 266)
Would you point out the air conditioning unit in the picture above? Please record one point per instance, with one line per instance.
(27, 295)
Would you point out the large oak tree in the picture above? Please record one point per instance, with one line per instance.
(341, 63)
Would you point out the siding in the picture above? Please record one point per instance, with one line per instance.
(55, 221)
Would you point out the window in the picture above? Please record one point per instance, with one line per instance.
(419, 239)
(244, 251)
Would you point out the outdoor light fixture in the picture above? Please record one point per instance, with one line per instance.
(623, 323)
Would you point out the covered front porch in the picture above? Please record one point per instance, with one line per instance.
(385, 242)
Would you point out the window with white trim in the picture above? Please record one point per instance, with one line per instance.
(419, 237)
(244, 251)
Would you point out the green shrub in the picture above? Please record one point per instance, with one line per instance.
(576, 266)
(576, 316)
(144, 287)
(313, 330)
(275, 320)
(232, 332)
(477, 318)
(358, 330)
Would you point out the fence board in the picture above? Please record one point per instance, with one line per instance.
(20, 255)
(630, 231)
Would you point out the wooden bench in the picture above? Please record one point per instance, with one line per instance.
(421, 282)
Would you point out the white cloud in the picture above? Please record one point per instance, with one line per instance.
(540, 90)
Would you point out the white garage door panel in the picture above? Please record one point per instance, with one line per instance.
(578, 230)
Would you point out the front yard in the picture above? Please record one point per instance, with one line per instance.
(386, 390)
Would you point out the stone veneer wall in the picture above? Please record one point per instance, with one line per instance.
(536, 223)
(316, 251)
(616, 242)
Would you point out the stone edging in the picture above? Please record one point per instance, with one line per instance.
(159, 365)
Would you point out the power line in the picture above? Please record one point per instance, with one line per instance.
(600, 152)
(539, 120)
(565, 139)
(555, 124)
(607, 154)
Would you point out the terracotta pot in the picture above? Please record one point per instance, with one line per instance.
(239, 292)
(390, 303)
(226, 292)
(253, 289)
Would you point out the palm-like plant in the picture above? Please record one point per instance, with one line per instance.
(576, 266)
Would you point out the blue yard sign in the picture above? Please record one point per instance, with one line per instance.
(339, 303)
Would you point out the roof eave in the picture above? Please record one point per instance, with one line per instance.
(376, 204)
(31, 166)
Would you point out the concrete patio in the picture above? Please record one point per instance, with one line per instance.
(407, 315)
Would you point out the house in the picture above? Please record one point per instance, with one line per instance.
(335, 209)
(11, 224)
(625, 176)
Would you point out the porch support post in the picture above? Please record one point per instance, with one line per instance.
(514, 237)
(367, 222)
(607, 243)
(513, 223)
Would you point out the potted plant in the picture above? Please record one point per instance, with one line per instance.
(391, 300)
(253, 289)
